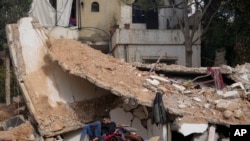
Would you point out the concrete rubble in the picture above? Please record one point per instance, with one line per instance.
(66, 84)
(187, 128)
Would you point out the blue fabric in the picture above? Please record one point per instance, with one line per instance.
(92, 129)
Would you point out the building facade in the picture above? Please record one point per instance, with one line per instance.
(123, 28)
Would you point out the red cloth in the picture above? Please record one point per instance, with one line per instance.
(217, 76)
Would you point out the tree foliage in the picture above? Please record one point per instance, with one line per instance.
(230, 29)
(10, 12)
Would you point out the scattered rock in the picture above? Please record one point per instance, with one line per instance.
(182, 105)
(187, 92)
(160, 78)
(153, 82)
(179, 87)
(238, 113)
(207, 105)
(227, 114)
(223, 105)
(231, 95)
(219, 92)
(197, 99)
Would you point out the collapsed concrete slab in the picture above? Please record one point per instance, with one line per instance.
(178, 69)
(66, 83)
(52, 95)
(188, 128)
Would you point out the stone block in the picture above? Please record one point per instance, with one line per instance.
(231, 95)
(153, 82)
(223, 105)
(179, 87)
(227, 114)
(238, 113)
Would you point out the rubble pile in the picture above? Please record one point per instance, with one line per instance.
(13, 125)
(186, 100)
(227, 106)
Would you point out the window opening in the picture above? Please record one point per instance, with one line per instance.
(138, 13)
(72, 19)
(95, 7)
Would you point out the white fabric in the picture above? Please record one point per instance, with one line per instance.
(63, 12)
(44, 11)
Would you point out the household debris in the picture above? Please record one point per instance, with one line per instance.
(13, 122)
(23, 132)
(52, 79)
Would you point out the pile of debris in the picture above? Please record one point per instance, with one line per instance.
(229, 105)
(51, 78)
(226, 106)
(13, 121)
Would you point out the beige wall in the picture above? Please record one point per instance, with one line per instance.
(132, 45)
(109, 10)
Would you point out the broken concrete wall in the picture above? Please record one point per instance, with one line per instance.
(133, 45)
(54, 95)
(47, 88)
(60, 78)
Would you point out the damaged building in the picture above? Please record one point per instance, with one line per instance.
(119, 27)
(66, 84)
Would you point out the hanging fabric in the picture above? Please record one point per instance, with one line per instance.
(47, 14)
(159, 112)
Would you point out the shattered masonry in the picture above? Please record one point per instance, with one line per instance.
(53, 74)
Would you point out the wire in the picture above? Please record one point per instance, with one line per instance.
(96, 29)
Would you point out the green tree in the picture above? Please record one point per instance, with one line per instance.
(230, 29)
(10, 12)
